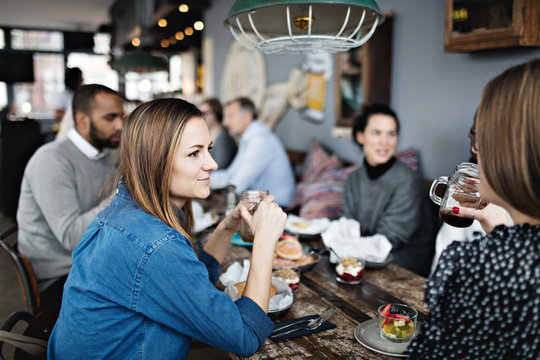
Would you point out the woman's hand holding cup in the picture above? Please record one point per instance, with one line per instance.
(268, 221)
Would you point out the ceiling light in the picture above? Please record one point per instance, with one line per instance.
(135, 41)
(144, 85)
(179, 35)
(188, 31)
(162, 22)
(303, 26)
(164, 43)
(183, 8)
(198, 25)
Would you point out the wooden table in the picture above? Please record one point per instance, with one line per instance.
(354, 304)
(318, 290)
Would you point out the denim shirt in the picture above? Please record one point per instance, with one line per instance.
(137, 290)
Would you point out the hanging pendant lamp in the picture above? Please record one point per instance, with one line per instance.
(302, 26)
(142, 61)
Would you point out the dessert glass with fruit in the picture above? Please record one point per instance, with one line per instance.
(290, 275)
(350, 270)
(397, 322)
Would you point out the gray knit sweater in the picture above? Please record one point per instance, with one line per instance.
(394, 205)
(59, 199)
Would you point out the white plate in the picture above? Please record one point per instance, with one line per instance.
(367, 334)
(311, 227)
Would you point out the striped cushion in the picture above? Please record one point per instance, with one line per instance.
(318, 162)
(320, 193)
(324, 197)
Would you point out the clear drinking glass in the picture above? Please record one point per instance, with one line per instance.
(251, 198)
(397, 322)
(350, 270)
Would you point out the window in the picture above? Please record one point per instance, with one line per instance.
(102, 43)
(3, 95)
(37, 40)
(42, 94)
(95, 69)
(143, 86)
(38, 99)
(175, 71)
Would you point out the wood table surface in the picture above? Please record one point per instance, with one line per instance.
(354, 304)
(319, 289)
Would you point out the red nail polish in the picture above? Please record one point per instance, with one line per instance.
(455, 210)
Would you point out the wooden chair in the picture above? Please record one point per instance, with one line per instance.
(20, 270)
(296, 159)
(32, 343)
(19, 279)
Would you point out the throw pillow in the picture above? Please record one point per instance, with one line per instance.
(409, 157)
(324, 197)
(318, 162)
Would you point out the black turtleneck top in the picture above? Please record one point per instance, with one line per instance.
(374, 172)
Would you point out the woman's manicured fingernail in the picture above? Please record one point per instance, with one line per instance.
(455, 210)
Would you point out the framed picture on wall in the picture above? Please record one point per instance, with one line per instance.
(363, 74)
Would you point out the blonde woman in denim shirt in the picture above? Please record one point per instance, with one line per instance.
(139, 287)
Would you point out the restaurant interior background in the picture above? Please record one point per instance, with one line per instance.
(434, 92)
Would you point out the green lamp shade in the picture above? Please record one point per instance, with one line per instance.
(241, 6)
(141, 61)
(278, 26)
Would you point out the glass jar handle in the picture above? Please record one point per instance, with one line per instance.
(442, 180)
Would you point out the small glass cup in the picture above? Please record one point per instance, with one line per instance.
(397, 322)
(350, 270)
(290, 275)
(251, 198)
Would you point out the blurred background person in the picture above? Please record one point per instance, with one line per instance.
(224, 146)
(261, 162)
(73, 79)
(386, 196)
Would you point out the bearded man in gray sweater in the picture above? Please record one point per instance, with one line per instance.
(60, 191)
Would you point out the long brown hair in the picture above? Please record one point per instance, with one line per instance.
(150, 137)
(507, 133)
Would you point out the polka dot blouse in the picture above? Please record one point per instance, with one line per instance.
(484, 299)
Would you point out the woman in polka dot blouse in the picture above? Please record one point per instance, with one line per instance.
(484, 296)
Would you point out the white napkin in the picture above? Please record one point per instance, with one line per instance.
(236, 273)
(315, 226)
(202, 219)
(343, 236)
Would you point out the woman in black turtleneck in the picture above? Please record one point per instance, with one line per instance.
(386, 196)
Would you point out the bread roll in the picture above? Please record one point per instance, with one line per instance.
(289, 248)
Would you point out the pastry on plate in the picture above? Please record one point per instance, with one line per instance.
(289, 248)
(300, 224)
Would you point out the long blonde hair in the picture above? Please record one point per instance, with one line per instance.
(507, 133)
(150, 137)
